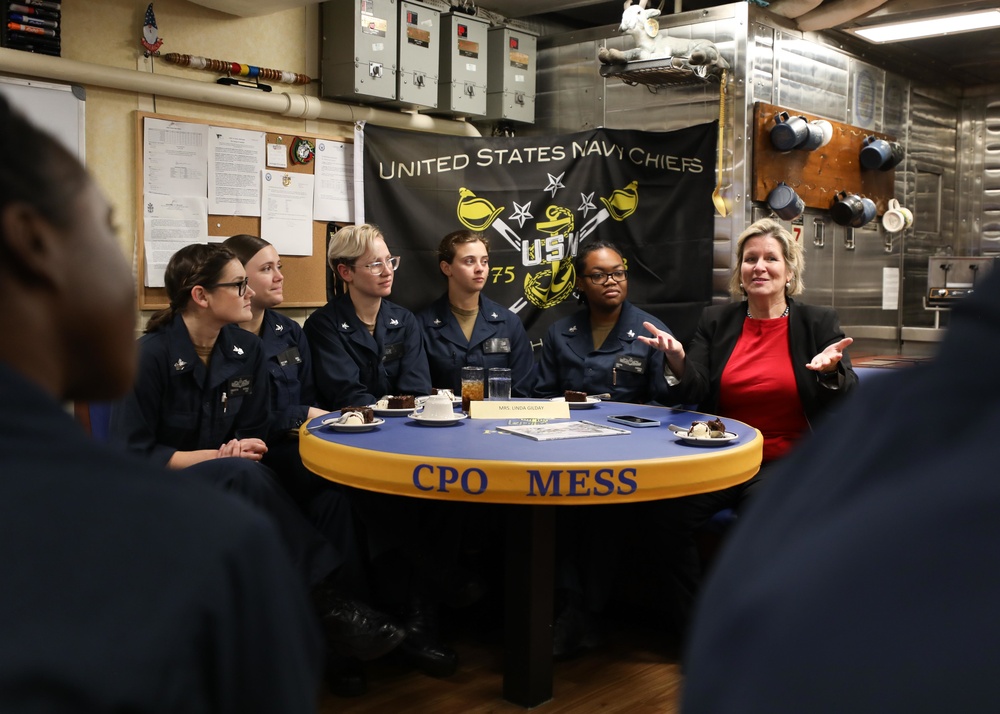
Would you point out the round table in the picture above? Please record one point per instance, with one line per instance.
(472, 461)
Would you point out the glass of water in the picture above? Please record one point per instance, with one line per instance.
(499, 383)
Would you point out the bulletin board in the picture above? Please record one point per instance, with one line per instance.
(305, 276)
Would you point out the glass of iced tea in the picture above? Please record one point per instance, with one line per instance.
(472, 386)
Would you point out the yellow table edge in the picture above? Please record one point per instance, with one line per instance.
(512, 482)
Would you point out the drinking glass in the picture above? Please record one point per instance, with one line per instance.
(472, 386)
(499, 383)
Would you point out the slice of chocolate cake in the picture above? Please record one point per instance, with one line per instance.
(572, 396)
(367, 413)
(403, 401)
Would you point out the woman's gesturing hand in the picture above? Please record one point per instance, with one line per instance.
(826, 361)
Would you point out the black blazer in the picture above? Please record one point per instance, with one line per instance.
(811, 329)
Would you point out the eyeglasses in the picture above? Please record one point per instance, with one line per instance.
(378, 267)
(619, 276)
(240, 285)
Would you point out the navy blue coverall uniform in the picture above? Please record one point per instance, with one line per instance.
(354, 368)
(623, 366)
(128, 588)
(498, 340)
(179, 404)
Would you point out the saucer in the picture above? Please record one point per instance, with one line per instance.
(447, 421)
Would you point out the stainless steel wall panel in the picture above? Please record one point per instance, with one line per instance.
(762, 38)
(864, 106)
(813, 77)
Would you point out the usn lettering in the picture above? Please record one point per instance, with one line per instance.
(555, 483)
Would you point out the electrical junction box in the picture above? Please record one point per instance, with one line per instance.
(360, 49)
(462, 85)
(419, 55)
(511, 79)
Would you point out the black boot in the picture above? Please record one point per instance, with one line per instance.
(352, 628)
(422, 647)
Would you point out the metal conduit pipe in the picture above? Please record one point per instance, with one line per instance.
(297, 106)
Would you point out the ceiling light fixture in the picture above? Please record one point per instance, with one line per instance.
(931, 27)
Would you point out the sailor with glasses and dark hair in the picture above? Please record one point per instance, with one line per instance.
(201, 403)
(596, 350)
(364, 346)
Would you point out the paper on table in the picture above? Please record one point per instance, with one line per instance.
(563, 430)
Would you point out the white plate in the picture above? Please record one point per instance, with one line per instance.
(332, 423)
(591, 401)
(405, 411)
(448, 421)
(707, 440)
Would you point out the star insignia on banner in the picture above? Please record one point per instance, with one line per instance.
(555, 183)
(180, 364)
(587, 203)
(237, 349)
(394, 322)
(522, 212)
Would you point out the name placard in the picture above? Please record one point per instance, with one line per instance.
(519, 410)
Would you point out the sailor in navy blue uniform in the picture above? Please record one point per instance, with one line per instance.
(465, 328)
(597, 350)
(201, 403)
(125, 587)
(357, 363)
(365, 347)
(288, 363)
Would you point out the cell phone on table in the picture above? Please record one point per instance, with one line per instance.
(629, 420)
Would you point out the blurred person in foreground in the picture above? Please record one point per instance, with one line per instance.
(769, 361)
(862, 580)
(124, 588)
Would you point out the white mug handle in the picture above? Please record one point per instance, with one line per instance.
(893, 204)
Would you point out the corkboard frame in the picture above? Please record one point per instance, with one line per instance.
(305, 275)
(817, 176)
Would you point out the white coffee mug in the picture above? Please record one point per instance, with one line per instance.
(895, 218)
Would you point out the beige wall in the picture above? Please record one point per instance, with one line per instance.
(108, 33)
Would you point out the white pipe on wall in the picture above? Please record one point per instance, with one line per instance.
(297, 106)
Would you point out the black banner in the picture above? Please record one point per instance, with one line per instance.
(538, 199)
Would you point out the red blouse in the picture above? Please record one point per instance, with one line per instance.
(758, 386)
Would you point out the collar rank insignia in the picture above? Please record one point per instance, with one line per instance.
(237, 349)
(494, 316)
(279, 327)
(343, 326)
(394, 322)
(572, 329)
(631, 334)
(180, 364)
(437, 321)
